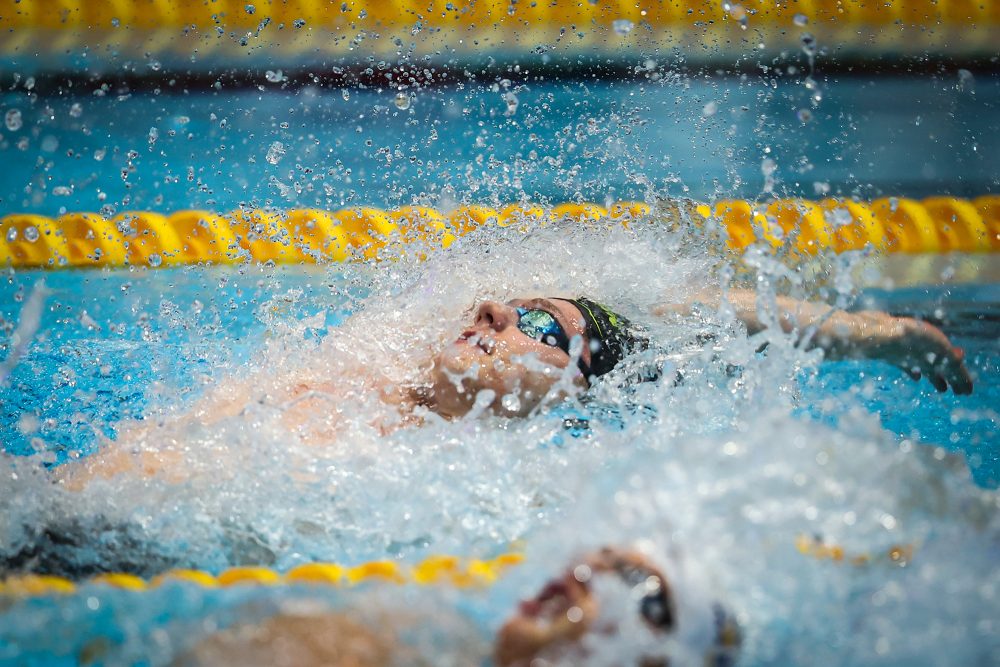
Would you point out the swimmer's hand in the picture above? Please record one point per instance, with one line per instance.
(919, 348)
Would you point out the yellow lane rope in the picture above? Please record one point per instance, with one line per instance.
(308, 30)
(893, 224)
(445, 570)
(469, 15)
(434, 570)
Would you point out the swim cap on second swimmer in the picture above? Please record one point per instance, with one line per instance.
(611, 337)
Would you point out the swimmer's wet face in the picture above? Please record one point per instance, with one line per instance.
(566, 608)
(519, 350)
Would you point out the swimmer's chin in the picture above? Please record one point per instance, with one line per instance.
(458, 357)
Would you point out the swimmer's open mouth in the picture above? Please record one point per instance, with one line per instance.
(555, 593)
(484, 343)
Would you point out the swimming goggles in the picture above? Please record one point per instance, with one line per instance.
(656, 607)
(542, 326)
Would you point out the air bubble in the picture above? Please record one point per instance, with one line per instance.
(76, 110)
(800, 20)
(804, 115)
(11, 234)
(62, 191)
(31, 234)
(709, 109)
(346, 94)
(274, 76)
(402, 100)
(155, 260)
(249, 9)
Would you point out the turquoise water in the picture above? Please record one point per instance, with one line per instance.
(111, 341)
(597, 140)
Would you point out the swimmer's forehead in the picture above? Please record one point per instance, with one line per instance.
(567, 315)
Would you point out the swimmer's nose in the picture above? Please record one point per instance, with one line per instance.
(495, 315)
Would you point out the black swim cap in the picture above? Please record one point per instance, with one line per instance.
(610, 335)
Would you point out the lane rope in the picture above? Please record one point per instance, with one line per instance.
(140, 238)
(434, 570)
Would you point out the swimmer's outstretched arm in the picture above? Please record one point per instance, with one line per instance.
(919, 348)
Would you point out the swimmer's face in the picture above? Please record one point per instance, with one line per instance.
(493, 354)
(566, 609)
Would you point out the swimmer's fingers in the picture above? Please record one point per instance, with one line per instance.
(953, 370)
(931, 354)
(922, 350)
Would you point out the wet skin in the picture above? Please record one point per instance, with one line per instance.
(495, 356)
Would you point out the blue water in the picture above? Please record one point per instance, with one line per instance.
(596, 140)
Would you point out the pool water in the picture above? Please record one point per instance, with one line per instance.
(719, 475)
(600, 140)
(113, 341)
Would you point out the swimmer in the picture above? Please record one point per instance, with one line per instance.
(556, 625)
(572, 615)
(537, 349)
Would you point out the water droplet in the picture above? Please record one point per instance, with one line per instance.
(965, 80)
(346, 94)
(31, 234)
(808, 44)
(275, 153)
(12, 119)
(800, 20)
(510, 99)
(402, 100)
(804, 115)
(62, 191)
(739, 13)
(622, 26)
(155, 260)
(249, 9)
(76, 110)
(510, 402)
